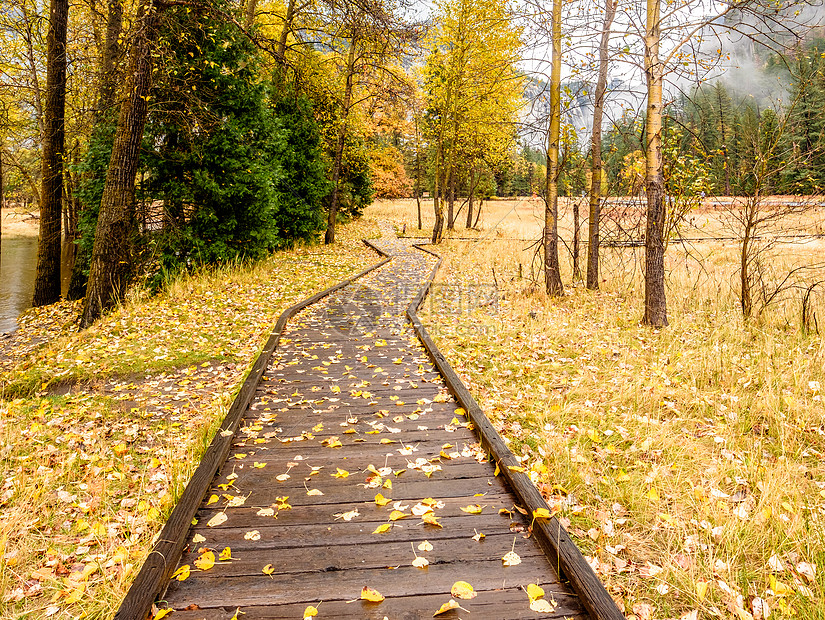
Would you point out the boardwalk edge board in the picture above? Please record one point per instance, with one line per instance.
(160, 563)
(551, 535)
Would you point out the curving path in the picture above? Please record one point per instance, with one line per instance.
(354, 467)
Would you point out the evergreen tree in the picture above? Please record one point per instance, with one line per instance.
(804, 136)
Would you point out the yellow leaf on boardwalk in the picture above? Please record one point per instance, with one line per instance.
(395, 515)
(511, 559)
(543, 606)
(541, 513)
(384, 527)
(310, 612)
(205, 561)
(462, 589)
(163, 613)
(534, 592)
(448, 606)
(420, 562)
(472, 509)
(340, 473)
(431, 519)
(425, 546)
(381, 500)
(182, 574)
(268, 569)
(218, 519)
(369, 594)
(225, 555)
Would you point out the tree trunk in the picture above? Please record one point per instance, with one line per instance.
(655, 299)
(288, 19)
(473, 183)
(109, 74)
(552, 274)
(438, 208)
(418, 170)
(329, 236)
(111, 253)
(33, 64)
(593, 237)
(249, 19)
(47, 278)
(576, 271)
(451, 215)
(745, 294)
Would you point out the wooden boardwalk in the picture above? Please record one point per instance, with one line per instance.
(354, 467)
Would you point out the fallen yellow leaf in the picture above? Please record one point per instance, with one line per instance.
(462, 589)
(472, 509)
(511, 559)
(381, 500)
(431, 519)
(534, 591)
(225, 555)
(541, 513)
(448, 606)
(268, 569)
(310, 612)
(543, 606)
(205, 561)
(384, 527)
(369, 594)
(395, 515)
(162, 613)
(182, 574)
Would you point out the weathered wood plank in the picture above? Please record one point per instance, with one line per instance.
(347, 584)
(502, 604)
(380, 553)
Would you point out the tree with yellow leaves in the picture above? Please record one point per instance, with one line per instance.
(473, 92)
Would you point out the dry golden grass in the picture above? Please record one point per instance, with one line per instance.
(687, 462)
(105, 427)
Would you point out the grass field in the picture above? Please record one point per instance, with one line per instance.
(687, 462)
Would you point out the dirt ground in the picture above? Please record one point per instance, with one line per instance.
(19, 223)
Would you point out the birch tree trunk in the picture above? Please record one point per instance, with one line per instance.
(593, 237)
(552, 274)
(47, 278)
(655, 298)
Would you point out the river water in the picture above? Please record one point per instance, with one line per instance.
(18, 265)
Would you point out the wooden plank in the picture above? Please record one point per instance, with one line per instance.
(375, 553)
(347, 584)
(549, 532)
(411, 489)
(246, 517)
(502, 604)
